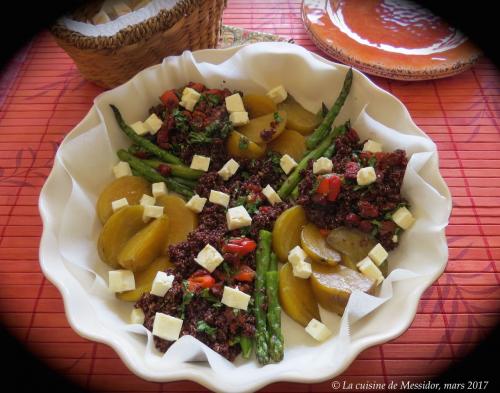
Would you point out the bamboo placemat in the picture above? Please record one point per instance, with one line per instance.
(42, 97)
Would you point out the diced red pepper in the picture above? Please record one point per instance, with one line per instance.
(246, 273)
(330, 187)
(240, 245)
(199, 87)
(265, 209)
(324, 186)
(197, 282)
(169, 99)
(335, 185)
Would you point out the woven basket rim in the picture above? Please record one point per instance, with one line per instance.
(132, 34)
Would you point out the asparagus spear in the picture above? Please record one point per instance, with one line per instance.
(323, 129)
(293, 179)
(329, 152)
(262, 261)
(246, 344)
(176, 170)
(151, 175)
(143, 142)
(185, 182)
(276, 350)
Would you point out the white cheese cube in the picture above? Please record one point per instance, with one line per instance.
(395, 239)
(366, 176)
(287, 163)
(200, 163)
(161, 284)
(370, 270)
(403, 218)
(318, 330)
(235, 298)
(372, 146)
(121, 280)
(302, 269)
(271, 195)
(118, 204)
(239, 118)
(378, 254)
(322, 165)
(159, 189)
(229, 169)
(137, 316)
(234, 103)
(219, 198)
(188, 104)
(147, 200)
(122, 169)
(140, 128)
(190, 94)
(296, 255)
(196, 203)
(167, 327)
(154, 123)
(189, 98)
(278, 94)
(151, 211)
(238, 217)
(209, 258)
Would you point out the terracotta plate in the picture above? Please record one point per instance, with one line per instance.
(395, 39)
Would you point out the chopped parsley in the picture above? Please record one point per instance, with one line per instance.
(202, 326)
(277, 117)
(372, 161)
(235, 340)
(181, 121)
(199, 137)
(228, 270)
(243, 143)
(187, 296)
(205, 294)
(377, 223)
(213, 99)
(217, 129)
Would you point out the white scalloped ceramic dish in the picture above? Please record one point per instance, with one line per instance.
(67, 249)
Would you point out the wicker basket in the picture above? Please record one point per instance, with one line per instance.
(110, 61)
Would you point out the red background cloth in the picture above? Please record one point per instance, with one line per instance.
(42, 97)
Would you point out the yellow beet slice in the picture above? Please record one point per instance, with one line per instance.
(240, 146)
(286, 231)
(145, 246)
(299, 118)
(296, 297)
(117, 230)
(130, 187)
(289, 142)
(349, 241)
(314, 244)
(257, 105)
(332, 285)
(182, 220)
(144, 279)
(253, 130)
(349, 262)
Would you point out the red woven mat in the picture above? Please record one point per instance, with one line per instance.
(42, 97)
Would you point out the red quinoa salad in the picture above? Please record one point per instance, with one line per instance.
(229, 207)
